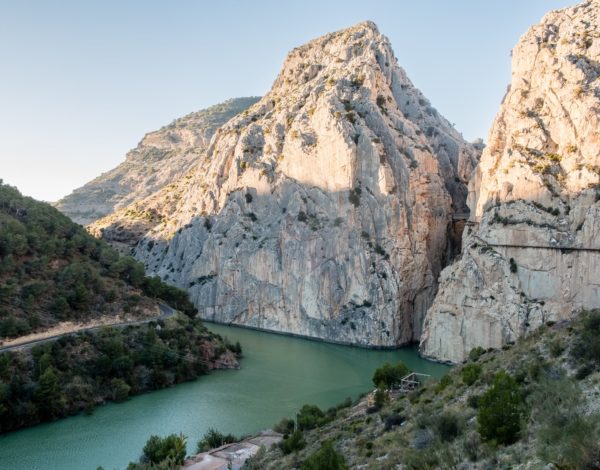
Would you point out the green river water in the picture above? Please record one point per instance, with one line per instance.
(278, 375)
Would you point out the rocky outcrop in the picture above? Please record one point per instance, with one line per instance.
(160, 158)
(532, 247)
(324, 210)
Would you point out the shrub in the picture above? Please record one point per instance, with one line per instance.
(213, 439)
(158, 449)
(354, 197)
(310, 417)
(448, 426)
(470, 373)
(393, 420)
(500, 410)
(556, 348)
(513, 266)
(389, 375)
(586, 347)
(326, 458)
(285, 426)
(380, 397)
(443, 383)
(293, 443)
(476, 353)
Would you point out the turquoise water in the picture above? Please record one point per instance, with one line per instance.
(279, 374)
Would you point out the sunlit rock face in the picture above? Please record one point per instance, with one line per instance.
(160, 158)
(537, 185)
(323, 210)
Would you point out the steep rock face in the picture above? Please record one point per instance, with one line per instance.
(533, 198)
(322, 211)
(160, 158)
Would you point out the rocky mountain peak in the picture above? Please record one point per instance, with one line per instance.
(532, 245)
(161, 157)
(326, 206)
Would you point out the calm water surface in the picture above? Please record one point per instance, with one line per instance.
(279, 374)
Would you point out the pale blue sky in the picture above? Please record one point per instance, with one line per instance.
(82, 81)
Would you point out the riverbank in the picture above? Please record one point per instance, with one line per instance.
(278, 375)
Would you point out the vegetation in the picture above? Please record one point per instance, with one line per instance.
(389, 374)
(162, 453)
(52, 270)
(501, 410)
(326, 458)
(79, 371)
(213, 439)
(532, 404)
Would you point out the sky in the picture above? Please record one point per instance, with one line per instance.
(81, 82)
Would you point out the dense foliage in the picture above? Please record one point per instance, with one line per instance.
(162, 453)
(213, 439)
(501, 410)
(79, 371)
(388, 375)
(51, 269)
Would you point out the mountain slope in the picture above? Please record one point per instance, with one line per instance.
(553, 373)
(52, 270)
(323, 210)
(532, 251)
(161, 157)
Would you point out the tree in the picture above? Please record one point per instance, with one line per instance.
(213, 439)
(158, 449)
(48, 394)
(309, 417)
(471, 373)
(326, 458)
(389, 374)
(500, 410)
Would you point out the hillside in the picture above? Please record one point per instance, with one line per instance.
(532, 248)
(52, 270)
(530, 405)
(160, 158)
(325, 209)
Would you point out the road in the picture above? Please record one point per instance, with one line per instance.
(165, 312)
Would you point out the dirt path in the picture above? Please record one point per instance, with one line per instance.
(66, 328)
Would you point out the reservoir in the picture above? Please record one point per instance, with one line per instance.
(278, 375)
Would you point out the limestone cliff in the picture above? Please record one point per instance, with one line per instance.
(323, 210)
(532, 247)
(160, 158)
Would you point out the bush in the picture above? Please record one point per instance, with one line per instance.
(500, 410)
(310, 417)
(158, 449)
(586, 347)
(513, 266)
(448, 426)
(443, 383)
(293, 443)
(213, 439)
(326, 458)
(470, 373)
(285, 426)
(476, 353)
(380, 397)
(389, 375)
(393, 420)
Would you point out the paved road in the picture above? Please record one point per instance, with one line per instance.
(165, 312)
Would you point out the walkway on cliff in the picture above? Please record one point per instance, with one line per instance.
(165, 312)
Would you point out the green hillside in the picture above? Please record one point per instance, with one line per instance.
(52, 270)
